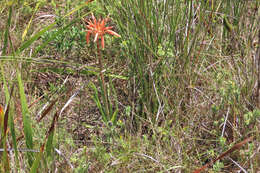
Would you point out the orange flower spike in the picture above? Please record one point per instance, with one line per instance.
(98, 29)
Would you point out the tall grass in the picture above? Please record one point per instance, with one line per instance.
(164, 35)
(176, 51)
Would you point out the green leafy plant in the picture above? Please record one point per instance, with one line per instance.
(218, 166)
(65, 42)
(251, 116)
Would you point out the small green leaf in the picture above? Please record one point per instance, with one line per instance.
(227, 25)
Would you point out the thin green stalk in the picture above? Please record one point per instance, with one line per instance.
(7, 30)
(28, 132)
(102, 77)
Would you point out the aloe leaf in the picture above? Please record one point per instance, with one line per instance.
(96, 99)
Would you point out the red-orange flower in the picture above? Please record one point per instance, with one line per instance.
(98, 29)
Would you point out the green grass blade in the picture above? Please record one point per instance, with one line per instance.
(7, 30)
(114, 117)
(34, 38)
(36, 163)
(28, 132)
(11, 120)
(7, 95)
(77, 8)
(49, 144)
(4, 140)
(13, 135)
(50, 134)
(29, 24)
(4, 128)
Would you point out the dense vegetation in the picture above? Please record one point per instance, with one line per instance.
(176, 88)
